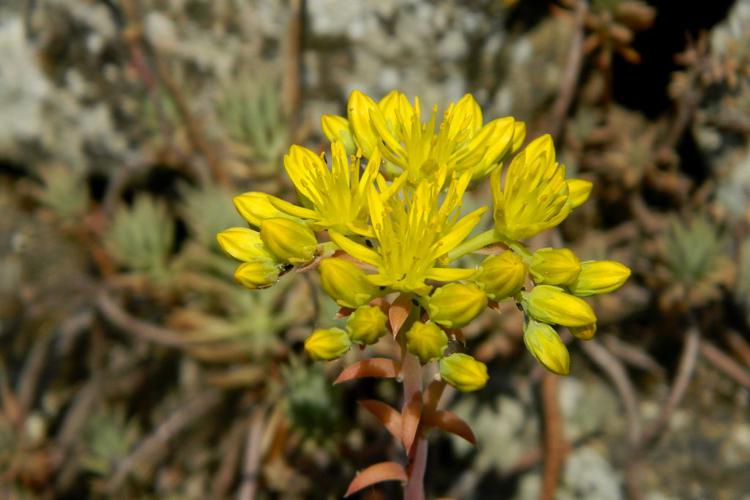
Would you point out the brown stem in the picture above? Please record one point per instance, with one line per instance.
(725, 363)
(553, 437)
(411, 371)
(685, 371)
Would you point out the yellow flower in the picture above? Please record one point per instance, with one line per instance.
(464, 372)
(501, 276)
(327, 344)
(554, 266)
(257, 274)
(289, 240)
(427, 341)
(552, 304)
(243, 244)
(601, 276)
(367, 324)
(412, 234)
(456, 304)
(460, 141)
(534, 196)
(545, 345)
(345, 282)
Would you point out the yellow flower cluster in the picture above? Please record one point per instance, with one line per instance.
(383, 215)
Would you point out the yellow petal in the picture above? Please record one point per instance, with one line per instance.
(579, 191)
(354, 249)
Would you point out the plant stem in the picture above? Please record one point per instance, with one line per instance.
(411, 371)
(479, 241)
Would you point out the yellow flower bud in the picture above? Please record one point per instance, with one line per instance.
(501, 276)
(257, 273)
(427, 341)
(256, 207)
(327, 344)
(367, 324)
(243, 244)
(336, 129)
(345, 282)
(599, 276)
(554, 266)
(464, 372)
(545, 345)
(551, 304)
(456, 304)
(585, 332)
(578, 192)
(359, 109)
(289, 240)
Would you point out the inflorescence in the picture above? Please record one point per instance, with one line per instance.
(382, 216)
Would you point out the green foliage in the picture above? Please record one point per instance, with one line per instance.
(313, 405)
(107, 437)
(207, 211)
(141, 236)
(692, 249)
(63, 190)
(252, 115)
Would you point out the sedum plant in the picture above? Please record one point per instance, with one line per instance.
(380, 219)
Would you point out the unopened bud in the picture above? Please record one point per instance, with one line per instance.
(345, 282)
(464, 372)
(255, 274)
(554, 266)
(327, 344)
(501, 276)
(255, 207)
(243, 244)
(289, 240)
(367, 324)
(545, 345)
(336, 129)
(551, 304)
(585, 332)
(599, 276)
(427, 341)
(456, 304)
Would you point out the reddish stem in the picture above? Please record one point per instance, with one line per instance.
(411, 371)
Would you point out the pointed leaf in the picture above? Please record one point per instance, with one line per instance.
(388, 416)
(384, 471)
(373, 367)
(398, 312)
(410, 421)
(432, 395)
(450, 422)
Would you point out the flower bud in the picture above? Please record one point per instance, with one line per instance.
(456, 304)
(427, 341)
(345, 282)
(243, 244)
(336, 129)
(289, 240)
(327, 344)
(554, 266)
(599, 276)
(255, 207)
(367, 324)
(464, 372)
(585, 332)
(551, 304)
(545, 345)
(578, 191)
(260, 273)
(501, 276)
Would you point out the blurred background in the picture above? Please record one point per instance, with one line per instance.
(131, 364)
